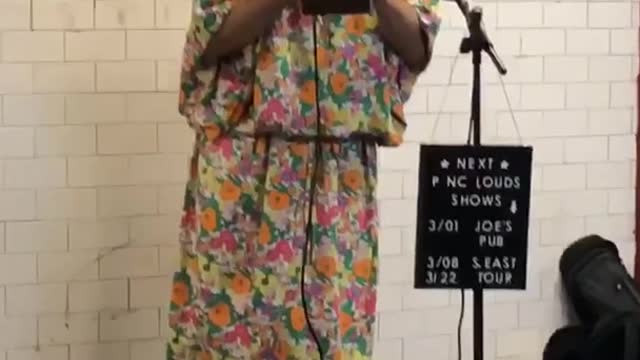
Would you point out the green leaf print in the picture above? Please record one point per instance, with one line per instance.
(284, 69)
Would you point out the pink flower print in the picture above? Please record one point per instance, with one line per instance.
(325, 215)
(226, 147)
(274, 110)
(239, 335)
(225, 241)
(282, 251)
(370, 305)
(364, 218)
(188, 316)
(376, 66)
(189, 219)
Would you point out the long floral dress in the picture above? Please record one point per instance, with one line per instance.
(279, 239)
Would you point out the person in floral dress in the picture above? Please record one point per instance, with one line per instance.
(279, 235)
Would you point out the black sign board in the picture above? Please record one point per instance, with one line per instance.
(473, 217)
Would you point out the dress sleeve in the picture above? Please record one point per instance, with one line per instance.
(207, 17)
(429, 18)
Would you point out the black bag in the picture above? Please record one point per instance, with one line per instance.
(615, 337)
(565, 343)
(606, 301)
(596, 282)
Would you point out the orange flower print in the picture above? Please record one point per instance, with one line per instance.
(308, 93)
(344, 321)
(339, 82)
(261, 146)
(297, 318)
(278, 200)
(241, 284)
(326, 265)
(395, 139)
(257, 96)
(229, 191)
(353, 179)
(204, 355)
(264, 235)
(323, 57)
(299, 149)
(193, 265)
(398, 110)
(282, 350)
(180, 293)
(209, 219)
(220, 315)
(212, 132)
(337, 355)
(265, 61)
(363, 268)
(236, 112)
(356, 25)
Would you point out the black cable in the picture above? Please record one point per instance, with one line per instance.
(469, 131)
(308, 246)
(460, 324)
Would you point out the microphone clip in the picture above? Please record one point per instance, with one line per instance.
(478, 40)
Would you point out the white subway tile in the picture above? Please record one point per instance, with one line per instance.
(136, 324)
(564, 177)
(31, 46)
(98, 295)
(42, 353)
(104, 351)
(608, 175)
(62, 14)
(150, 292)
(36, 299)
(66, 203)
(18, 331)
(17, 269)
(95, 108)
(15, 14)
(119, 14)
(172, 14)
(565, 14)
(586, 149)
(129, 262)
(68, 329)
(610, 15)
(23, 110)
(68, 266)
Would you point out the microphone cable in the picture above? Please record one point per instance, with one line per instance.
(307, 250)
(460, 322)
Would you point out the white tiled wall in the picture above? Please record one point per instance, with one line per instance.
(93, 156)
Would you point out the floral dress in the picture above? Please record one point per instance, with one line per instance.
(279, 234)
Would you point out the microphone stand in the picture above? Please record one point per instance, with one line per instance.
(476, 43)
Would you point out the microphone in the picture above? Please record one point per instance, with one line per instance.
(463, 5)
(478, 39)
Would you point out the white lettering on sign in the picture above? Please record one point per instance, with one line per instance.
(443, 278)
(492, 241)
(457, 181)
(498, 182)
(471, 163)
(443, 225)
(475, 200)
(493, 226)
(443, 262)
(493, 278)
(494, 262)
